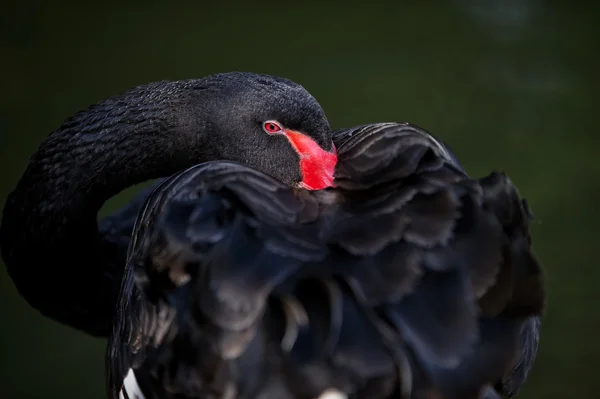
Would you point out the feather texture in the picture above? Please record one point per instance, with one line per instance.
(409, 279)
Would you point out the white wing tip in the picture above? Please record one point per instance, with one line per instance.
(131, 388)
(333, 394)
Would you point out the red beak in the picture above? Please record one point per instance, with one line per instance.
(316, 164)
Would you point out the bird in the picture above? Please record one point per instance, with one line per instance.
(66, 264)
(275, 258)
(405, 279)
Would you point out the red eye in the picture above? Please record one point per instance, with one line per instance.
(272, 127)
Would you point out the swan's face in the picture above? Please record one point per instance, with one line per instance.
(275, 126)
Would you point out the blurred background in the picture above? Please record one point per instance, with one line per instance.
(509, 84)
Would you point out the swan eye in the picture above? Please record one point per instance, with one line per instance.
(272, 127)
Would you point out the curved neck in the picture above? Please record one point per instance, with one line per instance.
(49, 238)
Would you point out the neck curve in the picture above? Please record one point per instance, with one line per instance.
(58, 259)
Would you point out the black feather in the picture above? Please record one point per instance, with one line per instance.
(409, 279)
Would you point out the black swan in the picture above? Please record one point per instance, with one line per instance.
(67, 267)
(406, 278)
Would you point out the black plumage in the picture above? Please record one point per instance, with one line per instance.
(408, 279)
(67, 265)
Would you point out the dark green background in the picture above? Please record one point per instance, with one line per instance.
(511, 85)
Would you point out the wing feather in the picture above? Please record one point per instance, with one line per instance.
(408, 279)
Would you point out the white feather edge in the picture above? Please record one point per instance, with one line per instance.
(130, 385)
(333, 394)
